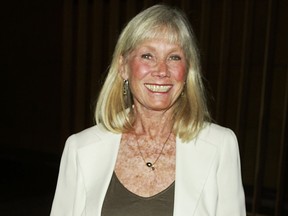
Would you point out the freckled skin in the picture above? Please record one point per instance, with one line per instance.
(154, 62)
(133, 172)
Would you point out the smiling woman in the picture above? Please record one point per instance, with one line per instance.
(156, 71)
(154, 150)
(147, 32)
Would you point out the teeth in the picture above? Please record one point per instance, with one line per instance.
(158, 88)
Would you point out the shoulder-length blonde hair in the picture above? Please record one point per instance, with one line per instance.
(158, 21)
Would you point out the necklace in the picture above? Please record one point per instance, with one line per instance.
(150, 164)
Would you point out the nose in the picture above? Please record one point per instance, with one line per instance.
(161, 69)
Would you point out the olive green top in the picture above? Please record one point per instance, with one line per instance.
(119, 201)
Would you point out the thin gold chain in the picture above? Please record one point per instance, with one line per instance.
(149, 164)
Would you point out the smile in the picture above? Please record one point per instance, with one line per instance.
(158, 88)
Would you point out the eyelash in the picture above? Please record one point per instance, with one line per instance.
(146, 56)
(175, 58)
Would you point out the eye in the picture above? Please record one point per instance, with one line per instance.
(146, 56)
(175, 58)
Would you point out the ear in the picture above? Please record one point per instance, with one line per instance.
(123, 68)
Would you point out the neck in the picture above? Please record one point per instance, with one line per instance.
(152, 123)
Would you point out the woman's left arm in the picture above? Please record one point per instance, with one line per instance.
(231, 199)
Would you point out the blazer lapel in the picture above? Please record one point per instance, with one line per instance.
(97, 161)
(193, 162)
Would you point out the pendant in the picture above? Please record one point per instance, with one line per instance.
(150, 165)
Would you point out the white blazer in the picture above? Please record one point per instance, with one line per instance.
(207, 183)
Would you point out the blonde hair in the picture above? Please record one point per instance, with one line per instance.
(191, 110)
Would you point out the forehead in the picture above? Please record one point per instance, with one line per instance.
(162, 32)
(158, 44)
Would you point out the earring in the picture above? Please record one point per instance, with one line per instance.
(125, 87)
(127, 94)
(183, 93)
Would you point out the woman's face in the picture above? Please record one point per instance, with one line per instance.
(156, 71)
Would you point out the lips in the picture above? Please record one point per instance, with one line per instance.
(158, 88)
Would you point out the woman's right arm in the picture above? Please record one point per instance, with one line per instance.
(68, 199)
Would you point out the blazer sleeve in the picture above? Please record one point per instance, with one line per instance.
(69, 195)
(231, 199)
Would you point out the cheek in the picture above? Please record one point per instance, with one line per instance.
(138, 69)
(180, 75)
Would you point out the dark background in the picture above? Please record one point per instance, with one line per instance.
(55, 54)
(31, 59)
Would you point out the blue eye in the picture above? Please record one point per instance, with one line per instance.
(146, 56)
(175, 58)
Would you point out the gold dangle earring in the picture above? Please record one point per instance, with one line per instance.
(125, 87)
(127, 94)
(183, 93)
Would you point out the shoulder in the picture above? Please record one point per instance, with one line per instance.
(214, 131)
(216, 135)
(91, 135)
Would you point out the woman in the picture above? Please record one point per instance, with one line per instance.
(153, 150)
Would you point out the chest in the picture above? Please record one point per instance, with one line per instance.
(134, 174)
